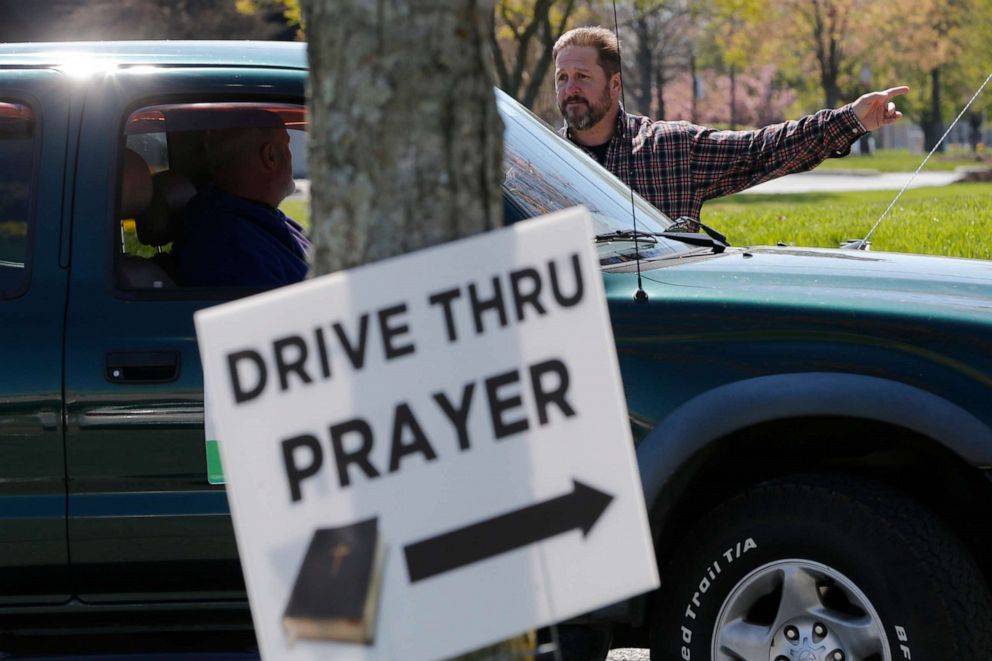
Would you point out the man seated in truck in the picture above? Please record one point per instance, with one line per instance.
(233, 233)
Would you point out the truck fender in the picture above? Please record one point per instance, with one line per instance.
(733, 406)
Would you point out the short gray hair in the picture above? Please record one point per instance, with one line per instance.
(225, 147)
(604, 41)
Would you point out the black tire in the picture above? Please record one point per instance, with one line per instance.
(835, 542)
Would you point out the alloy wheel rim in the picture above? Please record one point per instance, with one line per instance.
(798, 610)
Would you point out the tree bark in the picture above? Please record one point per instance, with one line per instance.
(695, 88)
(405, 141)
(644, 56)
(733, 97)
(933, 128)
(659, 86)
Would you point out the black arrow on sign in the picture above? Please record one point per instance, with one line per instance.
(579, 509)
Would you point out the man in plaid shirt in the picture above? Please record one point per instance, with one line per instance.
(677, 165)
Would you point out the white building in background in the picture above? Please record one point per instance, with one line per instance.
(901, 135)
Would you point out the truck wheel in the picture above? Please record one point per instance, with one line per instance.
(821, 569)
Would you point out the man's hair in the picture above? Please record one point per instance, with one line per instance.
(604, 41)
(232, 147)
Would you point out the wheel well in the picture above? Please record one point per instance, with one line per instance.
(914, 464)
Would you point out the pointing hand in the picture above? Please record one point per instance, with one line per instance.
(876, 109)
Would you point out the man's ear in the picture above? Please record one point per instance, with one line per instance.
(615, 85)
(269, 155)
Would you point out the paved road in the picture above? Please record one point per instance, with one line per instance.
(818, 182)
(808, 182)
(629, 654)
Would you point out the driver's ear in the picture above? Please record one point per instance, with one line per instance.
(270, 157)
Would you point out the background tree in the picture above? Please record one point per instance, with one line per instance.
(136, 19)
(405, 142)
(522, 36)
(830, 35)
(735, 32)
(662, 33)
(932, 45)
(289, 9)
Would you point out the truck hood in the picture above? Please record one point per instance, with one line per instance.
(818, 278)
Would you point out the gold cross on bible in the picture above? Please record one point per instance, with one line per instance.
(339, 552)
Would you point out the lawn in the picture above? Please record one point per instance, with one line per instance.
(900, 160)
(297, 208)
(953, 220)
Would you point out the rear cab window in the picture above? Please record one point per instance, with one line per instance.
(18, 154)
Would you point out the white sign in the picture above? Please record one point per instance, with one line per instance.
(467, 399)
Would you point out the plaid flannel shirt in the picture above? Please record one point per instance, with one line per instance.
(676, 166)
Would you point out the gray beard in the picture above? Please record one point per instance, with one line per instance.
(583, 121)
(588, 117)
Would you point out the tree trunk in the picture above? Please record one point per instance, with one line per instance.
(695, 88)
(733, 97)
(405, 142)
(644, 56)
(975, 122)
(933, 128)
(659, 87)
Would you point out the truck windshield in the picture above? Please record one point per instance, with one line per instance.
(543, 172)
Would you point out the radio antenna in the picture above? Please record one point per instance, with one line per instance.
(640, 295)
(862, 244)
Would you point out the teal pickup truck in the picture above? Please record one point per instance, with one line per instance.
(813, 427)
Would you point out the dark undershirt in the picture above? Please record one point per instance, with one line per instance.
(599, 151)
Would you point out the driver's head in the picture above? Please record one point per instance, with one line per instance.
(252, 162)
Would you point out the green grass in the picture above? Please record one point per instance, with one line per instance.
(953, 220)
(900, 160)
(298, 209)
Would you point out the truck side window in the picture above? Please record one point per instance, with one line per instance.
(165, 163)
(17, 151)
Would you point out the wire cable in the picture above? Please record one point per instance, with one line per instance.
(864, 241)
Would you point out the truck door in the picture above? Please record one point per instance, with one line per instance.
(34, 118)
(145, 524)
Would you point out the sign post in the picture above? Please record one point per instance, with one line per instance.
(440, 438)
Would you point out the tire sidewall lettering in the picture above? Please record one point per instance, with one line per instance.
(711, 575)
(903, 639)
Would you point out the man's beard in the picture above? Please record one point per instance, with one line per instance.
(580, 118)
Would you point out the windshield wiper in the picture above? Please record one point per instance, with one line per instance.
(712, 239)
(626, 235)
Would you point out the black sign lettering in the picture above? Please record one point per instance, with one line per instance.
(405, 424)
(530, 295)
(325, 361)
(458, 414)
(499, 406)
(574, 297)
(445, 298)
(241, 393)
(556, 395)
(358, 456)
(355, 351)
(480, 305)
(391, 332)
(296, 473)
(293, 364)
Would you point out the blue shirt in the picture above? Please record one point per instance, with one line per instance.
(230, 241)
